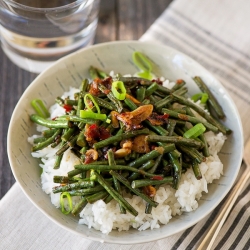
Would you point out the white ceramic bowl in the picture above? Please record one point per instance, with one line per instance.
(116, 56)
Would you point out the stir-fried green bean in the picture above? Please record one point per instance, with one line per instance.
(133, 147)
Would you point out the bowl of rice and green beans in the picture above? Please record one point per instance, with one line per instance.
(126, 153)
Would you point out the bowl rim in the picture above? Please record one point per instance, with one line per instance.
(50, 69)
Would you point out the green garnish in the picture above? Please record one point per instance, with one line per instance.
(195, 131)
(118, 89)
(40, 108)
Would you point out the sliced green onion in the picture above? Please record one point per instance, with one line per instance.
(93, 101)
(62, 196)
(195, 131)
(92, 115)
(200, 96)
(40, 108)
(145, 75)
(108, 121)
(204, 98)
(118, 89)
(142, 62)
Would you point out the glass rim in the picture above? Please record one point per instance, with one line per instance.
(35, 9)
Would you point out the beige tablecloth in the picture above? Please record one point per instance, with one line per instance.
(216, 34)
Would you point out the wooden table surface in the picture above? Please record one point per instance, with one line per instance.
(118, 20)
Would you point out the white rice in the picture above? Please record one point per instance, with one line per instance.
(106, 217)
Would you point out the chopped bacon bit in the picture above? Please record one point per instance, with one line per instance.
(156, 119)
(95, 133)
(104, 133)
(67, 108)
(107, 82)
(149, 191)
(157, 177)
(53, 119)
(94, 85)
(157, 81)
(179, 81)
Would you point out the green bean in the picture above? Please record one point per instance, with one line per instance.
(68, 133)
(145, 102)
(151, 89)
(108, 199)
(97, 73)
(128, 80)
(156, 164)
(48, 123)
(97, 196)
(140, 93)
(192, 153)
(193, 120)
(148, 182)
(182, 91)
(57, 141)
(49, 132)
(177, 170)
(81, 140)
(113, 167)
(149, 207)
(205, 149)
(171, 126)
(79, 206)
(178, 85)
(130, 104)
(104, 162)
(39, 140)
(111, 160)
(86, 191)
(117, 103)
(134, 190)
(203, 113)
(116, 195)
(62, 149)
(73, 186)
(151, 155)
(196, 170)
(211, 99)
(163, 102)
(74, 118)
(164, 90)
(58, 159)
(59, 101)
(70, 102)
(63, 179)
(46, 143)
(74, 172)
(104, 104)
(80, 105)
(175, 139)
(146, 166)
(84, 85)
(153, 99)
(158, 129)
(120, 137)
(176, 153)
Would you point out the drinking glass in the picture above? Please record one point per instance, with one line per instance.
(35, 33)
